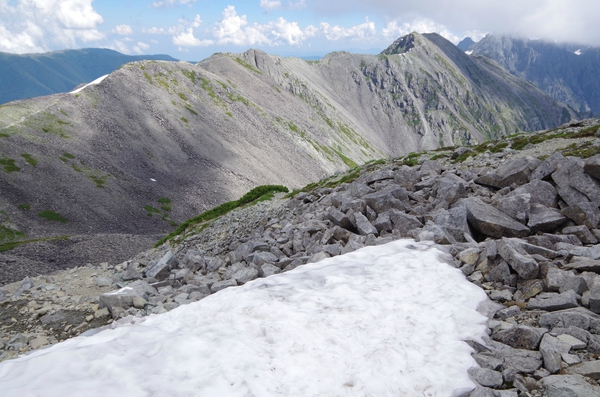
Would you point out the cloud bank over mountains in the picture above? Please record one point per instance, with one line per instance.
(197, 27)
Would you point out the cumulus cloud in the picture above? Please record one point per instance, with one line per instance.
(364, 31)
(575, 20)
(38, 25)
(171, 3)
(234, 29)
(395, 29)
(187, 39)
(123, 30)
(270, 5)
(140, 47)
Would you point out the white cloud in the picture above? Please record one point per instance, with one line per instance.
(270, 5)
(40, 25)
(187, 39)
(119, 45)
(233, 29)
(395, 29)
(571, 21)
(364, 31)
(171, 3)
(154, 30)
(123, 30)
(140, 47)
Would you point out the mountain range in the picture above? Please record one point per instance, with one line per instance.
(156, 142)
(567, 72)
(30, 75)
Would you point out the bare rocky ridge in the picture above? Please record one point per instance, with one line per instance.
(525, 229)
(157, 141)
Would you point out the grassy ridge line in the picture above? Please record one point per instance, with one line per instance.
(253, 195)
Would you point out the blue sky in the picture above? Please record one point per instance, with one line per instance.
(195, 29)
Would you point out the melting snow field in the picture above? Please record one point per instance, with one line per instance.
(387, 320)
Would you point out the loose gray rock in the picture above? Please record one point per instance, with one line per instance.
(591, 369)
(244, 275)
(551, 301)
(582, 232)
(577, 317)
(519, 260)
(221, 285)
(573, 185)
(515, 171)
(363, 226)
(583, 213)
(592, 166)
(268, 269)
(491, 221)
(521, 337)
(486, 377)
(568, 386)
(542, 218)
(162, 269)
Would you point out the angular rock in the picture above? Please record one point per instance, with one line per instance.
(516, 206)
(127, 296)
(486, 377)
(583, 213)
(541, 192)
(577, 317)
(592, 166)
(542, 218)
(26, 285)
(591, 369)
(582, 232)
(131, 273)
(594, 298)
(568, 386)
(516, 171)
(383, 222)
(552, 349)
(406, 177)
(213, 264)
(491, 221)
(519, 361)
(194, 261)
(548, 166)
(450, 188)
(521, 337)
(404, 223)
(551, 301)
(221, 285)
(588, 265)
(393, 197)
(518, 260)
(573, 185)
(363, 226)
(340, 219)
(162, 269)
(432, 232)
(260, 258)
(489, 361)
(244, 275)
(499, 274)
(268, 269)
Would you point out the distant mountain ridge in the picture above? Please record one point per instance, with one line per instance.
(157, 142)
(30, 75)
(567, 72)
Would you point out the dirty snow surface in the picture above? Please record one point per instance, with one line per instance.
(387, 320)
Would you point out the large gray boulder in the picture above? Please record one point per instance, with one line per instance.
(516, 171)
(516, 206)
(135, 294)
(584, 213)
(363, 226)
(518, 259)
(162, 269)
(542, 218)
(551, 301)
(392, 197)
(491, 221)
(573, 185)
(568, 386)
(577, 317)
(592, 166)
(403, 222)
(521, 337)
(541, 192)
(548, 166)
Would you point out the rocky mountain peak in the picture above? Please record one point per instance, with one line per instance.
(403, 44)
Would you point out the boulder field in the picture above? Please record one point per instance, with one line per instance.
(525, 229)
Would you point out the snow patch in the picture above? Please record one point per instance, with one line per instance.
(386, 320)
(97, 81)
(578, 52)
(469, 52)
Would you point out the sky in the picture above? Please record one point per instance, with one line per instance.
(388, 320)
(195, 29)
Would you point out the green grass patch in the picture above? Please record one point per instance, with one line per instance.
(164, 200)
(150, 208)
(8, 164)
(348, 161)
(99, 180)
(184, 119)
(13, 244)
(189, 75)
(192, 111)
(3, 135)
(182, 96)
(24, 206)
(8, 234)
(29, 158)
(229, 114)
(148, 77)
(247, 65)
(52, 216)
(253, 195)
(68, 155)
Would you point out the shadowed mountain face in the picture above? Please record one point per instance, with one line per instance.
(31, 75)
(158, 142)
(567, 72)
